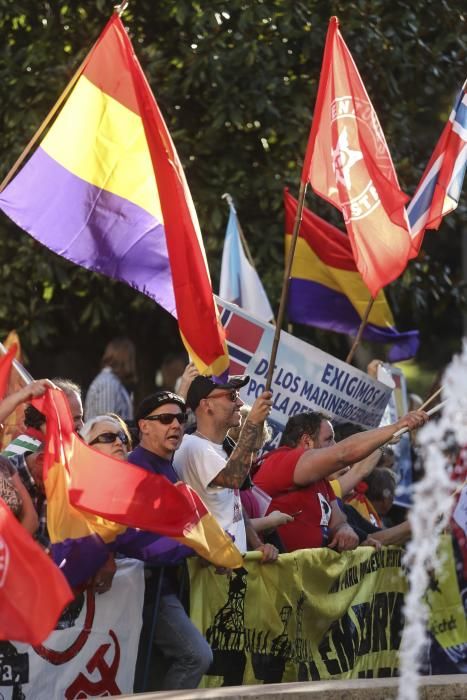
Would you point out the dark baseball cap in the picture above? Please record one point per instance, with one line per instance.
(201, 387)
(159, 398)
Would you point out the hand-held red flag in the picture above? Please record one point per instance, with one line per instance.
(33, 591)
(348, 163)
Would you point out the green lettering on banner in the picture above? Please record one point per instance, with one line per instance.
(322, 615)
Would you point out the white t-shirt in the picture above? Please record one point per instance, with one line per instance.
(197, 462)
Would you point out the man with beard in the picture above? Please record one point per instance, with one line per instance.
(295, 476)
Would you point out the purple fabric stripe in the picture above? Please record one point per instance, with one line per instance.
(91, 227)
(150, 548)
(80, 559)
(314, 304)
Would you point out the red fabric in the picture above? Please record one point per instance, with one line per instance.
(5, 368)
(33, 591)
(275, 476)
(199, 324)
(116, 490)
(348, 163)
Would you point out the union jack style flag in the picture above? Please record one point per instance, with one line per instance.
(243, 339)
(439, 189)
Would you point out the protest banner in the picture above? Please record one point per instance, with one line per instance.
(92, 653)
(314, 615)
(305, 378)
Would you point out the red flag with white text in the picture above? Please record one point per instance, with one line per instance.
(348, 163)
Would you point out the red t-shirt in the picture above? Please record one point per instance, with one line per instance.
(310, 526)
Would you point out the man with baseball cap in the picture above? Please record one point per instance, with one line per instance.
(160, 418)
(203, 462)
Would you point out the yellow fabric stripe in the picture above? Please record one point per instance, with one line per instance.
(308, 266)
(220, 364)
(103, 142)
(64, 521)
(209, 540)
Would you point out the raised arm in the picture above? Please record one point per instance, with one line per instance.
(239, 463)
(358, 472)
(8, 405)
(317, 464)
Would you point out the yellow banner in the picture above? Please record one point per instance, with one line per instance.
(313, 615)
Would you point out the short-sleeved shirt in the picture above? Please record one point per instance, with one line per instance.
(310, 505)
(197, 462)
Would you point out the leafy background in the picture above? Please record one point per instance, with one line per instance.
(236, 82)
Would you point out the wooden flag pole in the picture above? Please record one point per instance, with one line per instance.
(433, 410)
(430, 398)
(358, 337)
(285, 284)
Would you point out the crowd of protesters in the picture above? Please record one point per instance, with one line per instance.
(312, 491)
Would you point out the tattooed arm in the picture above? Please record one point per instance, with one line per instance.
(238, 465)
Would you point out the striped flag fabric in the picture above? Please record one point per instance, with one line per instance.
(347, 162)
(93, 499)
(327, 291)
(439, 189)
(240, 283)
(243, 338)
(106, 190)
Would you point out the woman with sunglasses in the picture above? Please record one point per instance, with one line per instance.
(108, 434)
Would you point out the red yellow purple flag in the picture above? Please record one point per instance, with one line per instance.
(106, 190)
(92, 497)
(348, 163)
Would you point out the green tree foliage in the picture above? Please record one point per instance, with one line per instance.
(236, 82)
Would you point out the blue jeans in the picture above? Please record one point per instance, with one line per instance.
(187, 652)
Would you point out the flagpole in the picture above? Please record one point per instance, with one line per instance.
(248, 254)
(285, 283)
(356, 342)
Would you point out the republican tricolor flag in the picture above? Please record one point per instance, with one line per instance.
(106, 190)
(348, 163)
(97, 504)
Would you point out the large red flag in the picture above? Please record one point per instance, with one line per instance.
(348, 163)
(33, 591)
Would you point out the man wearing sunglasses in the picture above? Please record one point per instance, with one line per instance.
(161, 418)
(205, 465)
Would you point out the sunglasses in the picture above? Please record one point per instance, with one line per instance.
(168, 418)
(233, 395)
(107, 438)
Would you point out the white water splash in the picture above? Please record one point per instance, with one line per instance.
(428, 517)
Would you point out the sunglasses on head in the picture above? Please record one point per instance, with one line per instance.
(233, 395)
(107, 438)
(168, 418)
